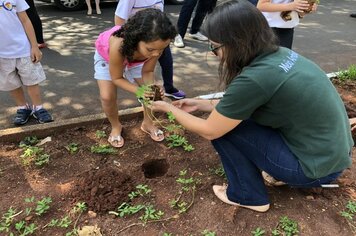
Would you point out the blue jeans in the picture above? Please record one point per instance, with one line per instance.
(203, 7)
(250, 148)
(166, 62)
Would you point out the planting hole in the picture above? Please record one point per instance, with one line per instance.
(155, 168)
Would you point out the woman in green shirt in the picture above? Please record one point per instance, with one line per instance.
(279, 114)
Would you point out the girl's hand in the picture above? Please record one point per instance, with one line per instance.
(36, 54)
(299, 5)
(187, 104)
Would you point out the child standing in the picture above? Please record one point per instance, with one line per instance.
(128, 8)
(19, 62)
(126, 57)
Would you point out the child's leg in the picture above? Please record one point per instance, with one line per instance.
(108, 97)
(90, 10)
(19, 97)
(98, 11)
(35, 94)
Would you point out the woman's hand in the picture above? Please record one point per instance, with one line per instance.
(187, 104)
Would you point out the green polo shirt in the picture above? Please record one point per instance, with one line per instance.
(291, 94)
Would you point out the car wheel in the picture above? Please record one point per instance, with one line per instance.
(70, 5)
(175, 2)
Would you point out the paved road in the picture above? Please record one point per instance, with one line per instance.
(328, 37)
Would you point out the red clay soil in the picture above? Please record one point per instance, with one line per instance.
(104, 182)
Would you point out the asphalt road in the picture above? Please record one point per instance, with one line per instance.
(327, 37)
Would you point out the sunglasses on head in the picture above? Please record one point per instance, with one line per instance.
(214, 49)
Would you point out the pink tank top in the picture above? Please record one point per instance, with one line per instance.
(102, 46)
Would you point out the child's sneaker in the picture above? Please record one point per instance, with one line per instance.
(42, 116)
(22, 116)
(176, 95)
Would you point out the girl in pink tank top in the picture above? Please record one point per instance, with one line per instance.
(120, 52)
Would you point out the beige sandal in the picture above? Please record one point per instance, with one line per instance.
(220, 192)
(157, 135)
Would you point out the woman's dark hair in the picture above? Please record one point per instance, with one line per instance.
(147, 25)
(245, 34)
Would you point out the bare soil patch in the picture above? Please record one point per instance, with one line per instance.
(104, 182)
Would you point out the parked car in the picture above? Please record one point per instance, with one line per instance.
(74, 5)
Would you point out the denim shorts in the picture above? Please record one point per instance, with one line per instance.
(101, 68)
(16, 72)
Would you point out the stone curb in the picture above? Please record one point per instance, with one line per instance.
(42, 130)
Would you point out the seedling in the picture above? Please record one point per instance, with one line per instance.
(24, 229)
(349, 214)
(219, 171)
(175, 131)
(103, 149)
(80, 207)
(43, 206)
(286, 227)
(206, 232)
(141, 191)
(100, 134)
(258, 232)
(7, 219)
(151, 214)
(36, 155)
(72, 148)
(29, 141)
(126, 209)
(349, 74)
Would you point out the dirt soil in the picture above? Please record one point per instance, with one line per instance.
(104, 182)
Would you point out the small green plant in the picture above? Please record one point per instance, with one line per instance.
(167, 234)
(36, 155)
(103, 149)
(7, 219)
(219, 171)
(100, 134)
(350, 210)
(348, 74)
(151, 214)
(258, 232)
(175, 131)
(80, 207)
(43, 206)
(29, 141)
(126, 209)
(286, 227)
(72, 148)
(206, 232)
(24, 229)
(141, 191)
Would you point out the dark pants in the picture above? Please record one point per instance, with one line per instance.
(202, 8)
(35, 20)
(250, 148)
(166, 62)
(285, 36)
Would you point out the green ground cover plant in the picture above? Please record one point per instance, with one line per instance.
(348, 74)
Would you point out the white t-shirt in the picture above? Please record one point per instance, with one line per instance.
(274, 19)
(14, 42)
(127, 8)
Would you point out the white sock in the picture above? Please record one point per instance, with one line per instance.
(36, 108)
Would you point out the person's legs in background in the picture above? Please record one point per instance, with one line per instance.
(36, 22)
(285, 36)
(183, 21)
(166, 62)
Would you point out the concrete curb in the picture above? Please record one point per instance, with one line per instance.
(42, 130)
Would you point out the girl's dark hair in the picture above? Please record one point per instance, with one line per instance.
(147, 25)
(245, 34)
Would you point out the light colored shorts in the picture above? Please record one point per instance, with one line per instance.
(101, 68)
(16, 72)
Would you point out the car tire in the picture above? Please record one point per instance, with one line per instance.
(175, 2)
(69, 5)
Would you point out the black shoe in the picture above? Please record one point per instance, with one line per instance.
(22, 116)
(42, 116)
(353, 15)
